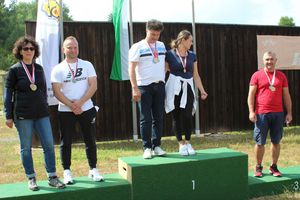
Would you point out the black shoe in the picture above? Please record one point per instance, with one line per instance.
(32, 184)
(55, 182)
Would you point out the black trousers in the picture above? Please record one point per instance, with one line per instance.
(86, 120)
(182, 117)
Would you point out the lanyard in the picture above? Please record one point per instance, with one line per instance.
(31, 78)
(154, 53)
(183, 62)
(73, 72)
(273, 78)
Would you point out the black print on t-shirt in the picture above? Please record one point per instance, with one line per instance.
(78, 73)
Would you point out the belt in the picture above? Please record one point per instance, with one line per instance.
(157, 82)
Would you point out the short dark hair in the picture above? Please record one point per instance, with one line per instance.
(23, 41)
(154, 25)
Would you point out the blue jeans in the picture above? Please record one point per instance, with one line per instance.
(151, 108)
(42, 127)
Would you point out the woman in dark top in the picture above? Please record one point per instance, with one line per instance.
(25, 105)
(180, 94)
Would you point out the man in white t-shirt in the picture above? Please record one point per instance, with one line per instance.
(74, 82)
(147, 77)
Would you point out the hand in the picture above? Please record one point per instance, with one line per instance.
(204, 95)
(9, 123)
(252, 117)
(77, 111)
(77, 104)
(136, 94)
(288, 119)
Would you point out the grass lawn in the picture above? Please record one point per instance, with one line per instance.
(11, 169)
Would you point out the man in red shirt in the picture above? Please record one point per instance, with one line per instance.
(268, 87)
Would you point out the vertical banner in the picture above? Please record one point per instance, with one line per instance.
(120, 19)
(48, 37)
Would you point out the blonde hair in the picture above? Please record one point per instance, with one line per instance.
(184, 34)
(70, 38)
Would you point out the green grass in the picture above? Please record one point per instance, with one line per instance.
(11, 169)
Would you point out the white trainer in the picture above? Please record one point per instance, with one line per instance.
(147, 153)
(183, 150)
(68, 180)
(95, 175)
(158, 151)
(190, 149)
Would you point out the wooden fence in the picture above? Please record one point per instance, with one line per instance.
(227, 57)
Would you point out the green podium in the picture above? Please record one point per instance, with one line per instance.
(269, 185)
(210, 174)
(113, 188)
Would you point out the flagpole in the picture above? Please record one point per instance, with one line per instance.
(61, 30)
(197, 117)
(134, 116)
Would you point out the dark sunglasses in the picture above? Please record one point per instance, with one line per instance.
(28, 48)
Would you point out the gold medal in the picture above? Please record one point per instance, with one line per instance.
(272, 88)
(33, 87)
(155, 60)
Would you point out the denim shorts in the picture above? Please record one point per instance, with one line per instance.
(270, 121)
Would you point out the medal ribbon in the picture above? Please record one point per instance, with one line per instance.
(273, 78)
(31, 78)
(153, 52)
(183, 62)
(73, 72)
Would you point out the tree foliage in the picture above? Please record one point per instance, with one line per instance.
(286, 21)
(12, 26)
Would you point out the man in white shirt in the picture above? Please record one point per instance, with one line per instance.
(147, 77)
(74, 82)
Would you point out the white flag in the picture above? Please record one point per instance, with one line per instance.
(120, 19)
(47, 35)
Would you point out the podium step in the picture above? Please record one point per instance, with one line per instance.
(113, 188)
(269, 185)
(210, 174)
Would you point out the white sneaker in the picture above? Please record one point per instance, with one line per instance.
(68, 177)
(147, 153)
(158, 151)
(190, 149)
(183, 150)
(95, 175)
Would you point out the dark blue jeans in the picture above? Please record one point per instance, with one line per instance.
(151, 113)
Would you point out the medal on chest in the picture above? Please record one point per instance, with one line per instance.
(31, 78)
(272, 88)
(73, 72)
(154, 52)
(183, 60)
(155, 57)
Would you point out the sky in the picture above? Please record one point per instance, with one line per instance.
(250, 12)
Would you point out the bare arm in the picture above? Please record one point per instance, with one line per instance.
(136, 94)
(198, 81)
(251, 101)
(167, 67)
(60, 96)
(288, 104)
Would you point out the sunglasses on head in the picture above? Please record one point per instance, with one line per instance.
(28, 48)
